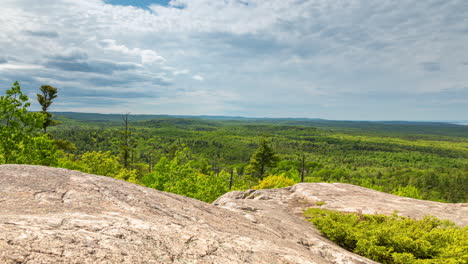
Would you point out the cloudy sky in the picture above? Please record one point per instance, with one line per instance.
(334, 59)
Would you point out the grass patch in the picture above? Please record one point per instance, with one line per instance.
(320, 203)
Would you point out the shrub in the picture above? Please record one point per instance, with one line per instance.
(408, 191)
(394, 239)
(274, 181)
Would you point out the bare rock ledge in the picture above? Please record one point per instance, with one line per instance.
(50, 215)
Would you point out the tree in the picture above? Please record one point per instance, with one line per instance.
(263, 158)
(189, 175)
(99, 163)
(303, 160)
(49, 93)
(21, 140)
(126, 142)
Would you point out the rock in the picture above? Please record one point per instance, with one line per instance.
(50, 215)
(280, 211)
(274, 205)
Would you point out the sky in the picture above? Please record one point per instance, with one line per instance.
(340, 59)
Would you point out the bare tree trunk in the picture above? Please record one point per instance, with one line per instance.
(231, 179)
(125, 141)
(150, 162)
(303, 166)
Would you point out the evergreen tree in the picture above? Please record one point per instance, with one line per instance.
(49, 93)
(21, 141)
(263, 158)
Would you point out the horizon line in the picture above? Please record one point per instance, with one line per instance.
(456, 122)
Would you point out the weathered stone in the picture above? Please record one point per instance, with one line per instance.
(343, 197)
(50, 215)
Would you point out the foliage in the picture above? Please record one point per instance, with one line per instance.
(64, 145)
(431, 157)
(187, 175)
(126, 142)
(45, 99)
(274, 181)
(99, 163)
(127, 175)
(394, 239)
(262, 159)
(320, 203)
(408, 191)
(21, 141)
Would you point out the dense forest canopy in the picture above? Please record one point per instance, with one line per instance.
(417, 159)
(203, 157)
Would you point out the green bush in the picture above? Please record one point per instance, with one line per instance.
(408, 191)
(394, 239)
(274, 181)
(188, 175)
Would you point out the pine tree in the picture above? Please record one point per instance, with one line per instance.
(263, 158)
(49, 93)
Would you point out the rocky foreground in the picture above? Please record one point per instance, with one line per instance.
(50, 215)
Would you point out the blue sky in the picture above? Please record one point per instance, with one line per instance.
(145, 4)
(341, 59)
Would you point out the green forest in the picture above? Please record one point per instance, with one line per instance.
(204, 157)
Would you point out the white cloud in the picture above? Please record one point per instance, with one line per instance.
(147, 56)
(283, 56)
(19, 66)
(179, 72)
(198, 77)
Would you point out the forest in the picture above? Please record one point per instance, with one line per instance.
(204, 157)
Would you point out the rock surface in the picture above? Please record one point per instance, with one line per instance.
(50, 215)
(280, 210)
(337, 196)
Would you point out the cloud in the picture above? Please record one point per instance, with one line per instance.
(147, 56)
(198, 77)
(45, 34)
(431, 66)
(140, 3)
(94, 93)
(314, 58)
(94, 66)
(3, 60)
(248, 43)
(179, 72)
(127, 79)
(70, 55)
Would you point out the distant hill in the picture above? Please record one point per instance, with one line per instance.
(402, 128)
(118, 117)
